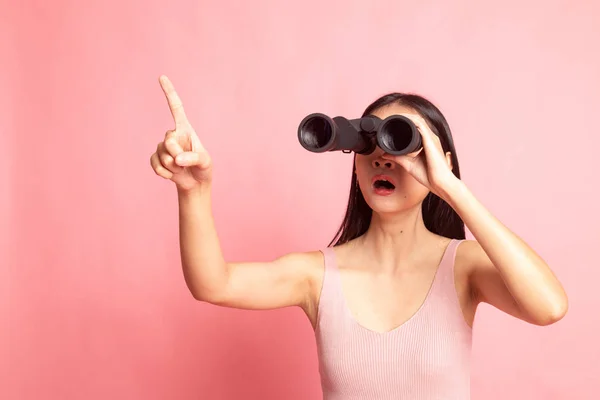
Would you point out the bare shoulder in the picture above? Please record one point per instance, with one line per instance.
(309, 265)
(472, 262)
(349, 253)
(309, 262)
(470, 255)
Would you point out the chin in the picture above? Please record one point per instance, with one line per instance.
(388, 204)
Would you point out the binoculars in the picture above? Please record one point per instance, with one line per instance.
(396, 134)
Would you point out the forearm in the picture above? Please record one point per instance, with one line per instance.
(527, 276)
(204, 267)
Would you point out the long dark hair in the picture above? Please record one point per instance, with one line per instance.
(438, 216)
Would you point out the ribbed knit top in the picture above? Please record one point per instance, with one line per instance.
(425, 358)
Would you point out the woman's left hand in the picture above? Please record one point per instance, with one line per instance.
(429, 165)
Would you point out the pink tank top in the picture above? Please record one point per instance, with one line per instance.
(425, 358)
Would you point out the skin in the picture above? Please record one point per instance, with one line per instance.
(385, 273)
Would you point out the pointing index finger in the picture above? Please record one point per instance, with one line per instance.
(175, 104)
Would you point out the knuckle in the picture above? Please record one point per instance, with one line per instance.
(170, 135)
(164, 173)
(166, 159)
(154, 160)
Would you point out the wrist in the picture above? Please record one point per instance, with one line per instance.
(203, 189)
(453, 191)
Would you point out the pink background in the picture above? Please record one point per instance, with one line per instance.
(93, 304)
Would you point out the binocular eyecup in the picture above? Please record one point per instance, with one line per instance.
(396, 134)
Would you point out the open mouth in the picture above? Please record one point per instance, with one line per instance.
(383, 185)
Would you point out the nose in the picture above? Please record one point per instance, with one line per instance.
(381, 163)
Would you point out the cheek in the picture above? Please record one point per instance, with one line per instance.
(361, 171)
(410, 190)
(363, 180)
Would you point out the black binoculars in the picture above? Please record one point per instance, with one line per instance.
(396, 134)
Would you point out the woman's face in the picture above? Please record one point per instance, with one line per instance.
(406, 192)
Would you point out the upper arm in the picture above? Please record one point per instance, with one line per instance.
(485, 281)
(290, 280)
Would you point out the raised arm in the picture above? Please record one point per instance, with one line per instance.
(504, 271)
(287, 281)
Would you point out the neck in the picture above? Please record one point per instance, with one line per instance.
(392, 238)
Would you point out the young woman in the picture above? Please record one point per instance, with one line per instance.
(392, 302)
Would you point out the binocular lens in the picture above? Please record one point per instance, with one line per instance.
(316, 132)
(396, 135)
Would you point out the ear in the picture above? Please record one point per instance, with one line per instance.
(449, 160)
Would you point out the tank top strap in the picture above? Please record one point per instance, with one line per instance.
(329, 256)
(444, 280)
(331, 297)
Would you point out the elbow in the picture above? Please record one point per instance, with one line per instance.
(554, 313)
(212, 289)
(207, 294)
(559, 311)
(196, 292)
(198, 295)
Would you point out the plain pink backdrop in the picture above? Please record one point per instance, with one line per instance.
(93, 304)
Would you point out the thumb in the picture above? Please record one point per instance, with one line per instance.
(192, 159)
(405, 162)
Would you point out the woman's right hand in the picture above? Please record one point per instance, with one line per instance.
(180, 157)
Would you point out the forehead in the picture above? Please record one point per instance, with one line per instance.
(394, 109)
